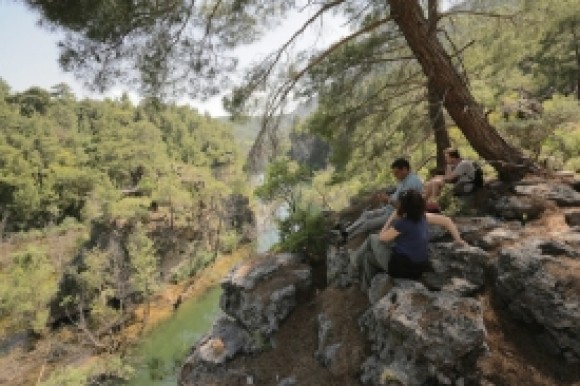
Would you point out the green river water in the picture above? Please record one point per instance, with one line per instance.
(160, 354)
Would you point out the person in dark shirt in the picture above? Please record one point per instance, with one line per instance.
(401, 248)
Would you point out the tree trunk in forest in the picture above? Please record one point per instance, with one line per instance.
(436, 116)
(452, 91)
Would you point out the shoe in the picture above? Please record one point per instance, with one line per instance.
(335, 237)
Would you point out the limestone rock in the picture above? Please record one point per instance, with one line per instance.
(209, 355)
(418, 336)
(517, 208)
(562, 194)
(470, 229)
(339, 273)
(496, 237)
(543, 292)
(326, 354)
(260, 295)
(380, 285)
(456, 269)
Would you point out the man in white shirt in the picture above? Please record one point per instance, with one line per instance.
(458, 171)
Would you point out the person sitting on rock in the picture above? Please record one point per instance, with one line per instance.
(373, 220)
(458, 171)
(401, 248)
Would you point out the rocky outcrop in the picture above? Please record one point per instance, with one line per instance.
(539, 284)
(206, 362)
(413, 333)
(326, 354)
(458, 270)
(562, 194)
(518, 208)
(257, 297)
(261, 295)
(418, 336)
(339, 272)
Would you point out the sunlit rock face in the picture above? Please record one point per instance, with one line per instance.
(418, 336)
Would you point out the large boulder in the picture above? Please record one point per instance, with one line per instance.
(260, 294)
(519, 207)
(543, 291)
(471, 229)
(206, 362)
(418, 336)
(498, 236)
(562, 194)
(456, 269)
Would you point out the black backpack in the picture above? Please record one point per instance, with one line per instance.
(477, 176)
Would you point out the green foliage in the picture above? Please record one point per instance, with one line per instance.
(26, 288)
(110, 367)
(282, 181)
(60, 157)
(304, 231)
(141, 252)
(229, 241)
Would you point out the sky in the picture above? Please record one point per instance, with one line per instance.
(29, 53)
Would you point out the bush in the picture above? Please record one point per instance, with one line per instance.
(304, 230)
(229, 241)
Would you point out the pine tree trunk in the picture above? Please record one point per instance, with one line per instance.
(458, 101)
(436, 116)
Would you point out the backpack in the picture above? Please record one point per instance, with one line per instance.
(477, 176)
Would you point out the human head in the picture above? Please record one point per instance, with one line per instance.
(400, 168)
(411, 205)
(452, 155)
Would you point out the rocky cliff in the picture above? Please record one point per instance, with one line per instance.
(503, 311)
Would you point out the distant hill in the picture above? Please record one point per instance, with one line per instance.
(245, 130)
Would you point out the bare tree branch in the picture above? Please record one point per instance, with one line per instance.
(476, 13)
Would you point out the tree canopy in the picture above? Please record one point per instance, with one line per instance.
(185, 46)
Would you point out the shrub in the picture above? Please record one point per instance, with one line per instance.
(304, 230)
(229, 241)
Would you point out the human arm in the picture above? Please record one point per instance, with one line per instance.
(447, 223)
(450, 174)
(390, 220)
(388, 233)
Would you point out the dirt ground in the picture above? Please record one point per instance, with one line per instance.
(297, 340)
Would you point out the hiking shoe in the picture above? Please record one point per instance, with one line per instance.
(337, 237)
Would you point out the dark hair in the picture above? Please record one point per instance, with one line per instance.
(453, 152)
(400, 163)
(411, 205)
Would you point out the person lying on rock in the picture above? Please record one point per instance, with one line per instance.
(459, 171)
(373, 220)
(401, 248)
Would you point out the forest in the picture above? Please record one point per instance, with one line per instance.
(103, 201)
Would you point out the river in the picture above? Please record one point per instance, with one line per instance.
(159, 355)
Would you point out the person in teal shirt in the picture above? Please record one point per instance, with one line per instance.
(373, 220)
